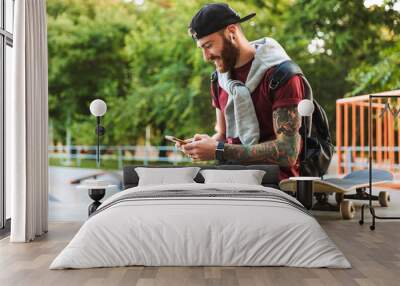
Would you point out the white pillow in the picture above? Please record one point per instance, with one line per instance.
(164, 176)
(248, 177)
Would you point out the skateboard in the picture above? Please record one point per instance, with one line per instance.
(357, 181)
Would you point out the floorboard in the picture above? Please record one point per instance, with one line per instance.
(375, 257)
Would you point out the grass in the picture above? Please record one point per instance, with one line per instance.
(108, 164)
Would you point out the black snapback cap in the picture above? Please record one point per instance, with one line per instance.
(212, 18)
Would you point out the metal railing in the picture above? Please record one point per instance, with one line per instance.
(76, 153)
(352, 133)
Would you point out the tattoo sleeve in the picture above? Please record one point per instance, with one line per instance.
(283, 150)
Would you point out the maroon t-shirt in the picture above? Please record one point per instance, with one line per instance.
(288, 95)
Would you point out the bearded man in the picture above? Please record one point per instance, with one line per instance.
(254, 125)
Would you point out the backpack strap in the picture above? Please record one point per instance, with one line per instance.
(282, 73)
(280, 76)
(214, 85)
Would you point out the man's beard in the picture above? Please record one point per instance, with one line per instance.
(229, 55)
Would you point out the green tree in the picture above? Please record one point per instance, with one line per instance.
(382, 74)
(86, 61)
(351, 35)
(141, 61)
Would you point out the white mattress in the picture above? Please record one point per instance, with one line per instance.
(206, 231)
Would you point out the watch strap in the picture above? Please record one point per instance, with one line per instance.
(219, 151)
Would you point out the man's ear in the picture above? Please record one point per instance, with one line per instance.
(231, 29)
(232, 32)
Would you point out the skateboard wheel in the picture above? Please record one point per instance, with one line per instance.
(361, 222)
(347, 209)
(339, 197)
(384, 199)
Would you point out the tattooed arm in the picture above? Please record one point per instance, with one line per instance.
(283, 151)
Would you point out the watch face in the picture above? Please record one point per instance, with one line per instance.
(219, 152)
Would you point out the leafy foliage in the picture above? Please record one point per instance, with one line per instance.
(140, 60)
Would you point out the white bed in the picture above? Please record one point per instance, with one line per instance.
(183, 230)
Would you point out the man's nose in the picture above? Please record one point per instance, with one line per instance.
(206, 55)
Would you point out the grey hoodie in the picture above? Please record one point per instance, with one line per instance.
(240, 116)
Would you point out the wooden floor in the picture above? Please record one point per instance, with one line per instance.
(374, 255)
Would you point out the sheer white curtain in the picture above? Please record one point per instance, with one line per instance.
(26, 127)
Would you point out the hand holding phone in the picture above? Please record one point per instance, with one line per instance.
(176, 140)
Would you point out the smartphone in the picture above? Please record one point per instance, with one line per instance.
(174, 139)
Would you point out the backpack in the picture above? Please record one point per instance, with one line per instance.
(319, 143)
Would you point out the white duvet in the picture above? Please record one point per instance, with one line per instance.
(190, 231)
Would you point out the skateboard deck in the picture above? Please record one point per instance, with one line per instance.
(351, 182)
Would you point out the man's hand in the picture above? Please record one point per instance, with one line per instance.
(201, 149)
(190, 140)
(179, 145)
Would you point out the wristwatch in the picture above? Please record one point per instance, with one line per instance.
(219, 151)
